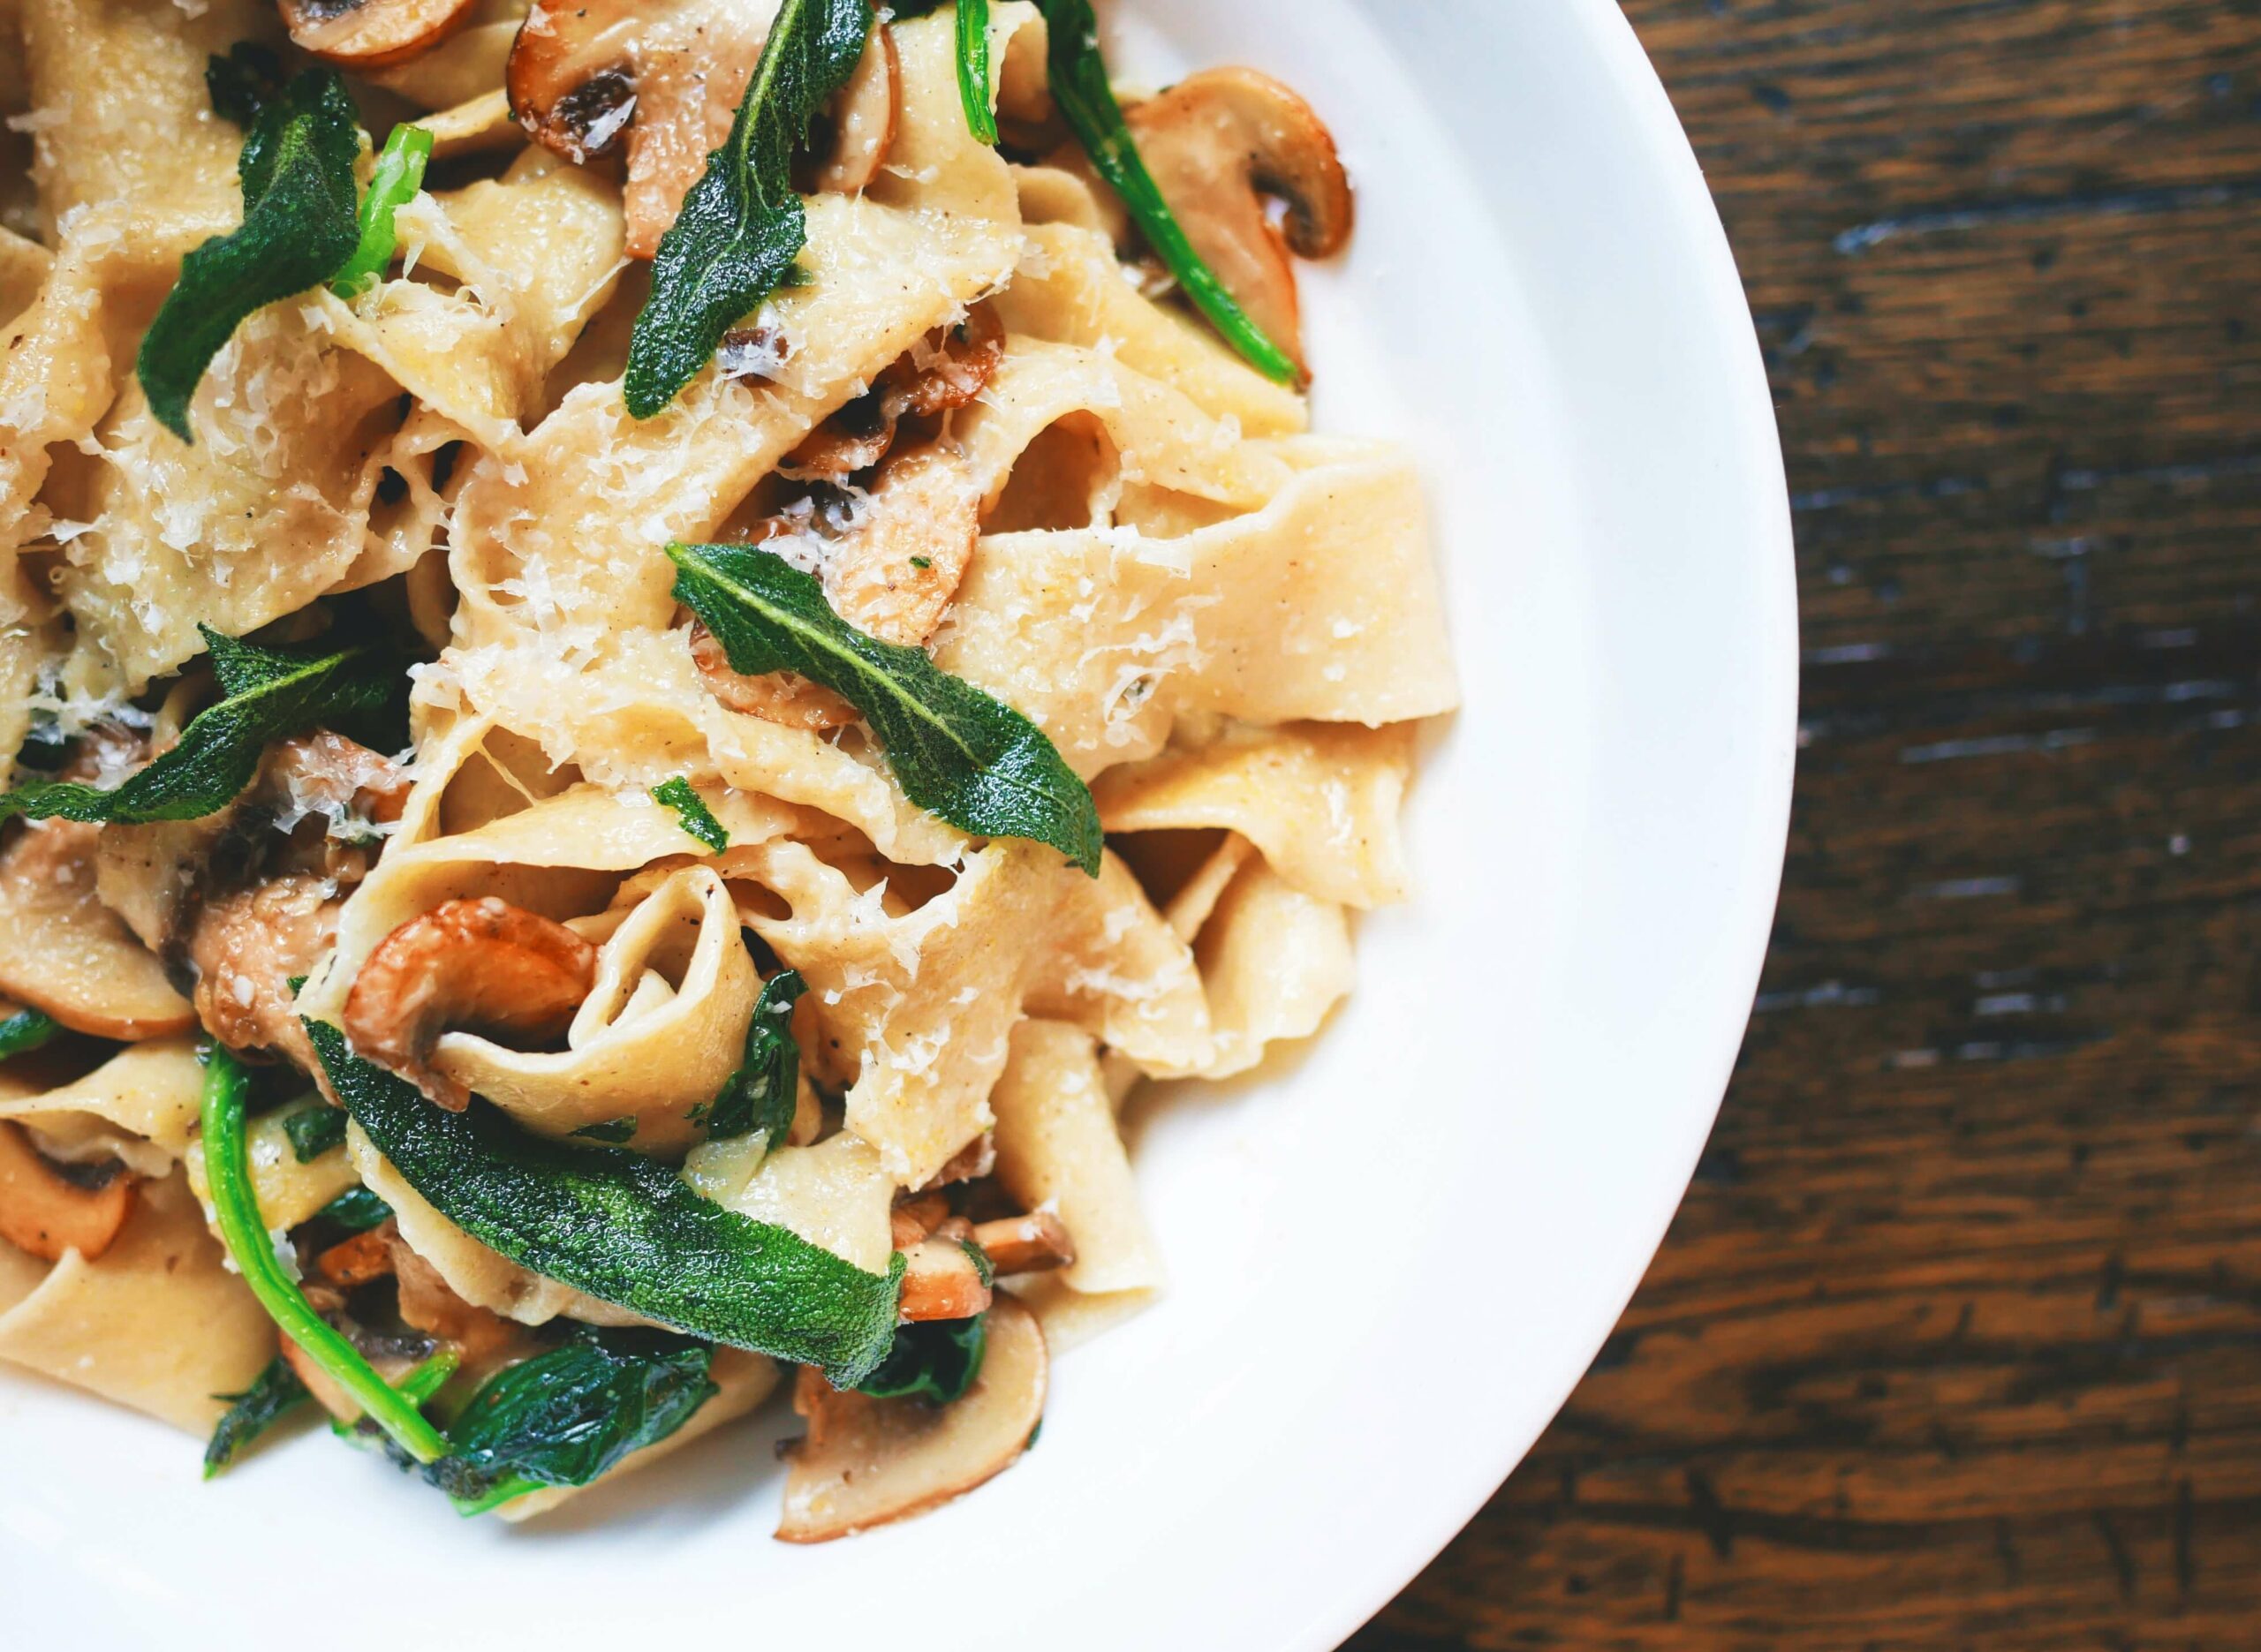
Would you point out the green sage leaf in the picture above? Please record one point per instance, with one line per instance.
(761, 1095)
(1086, 102)
(299, 225)
(399, 174)
(244, 82)
(973, 760)
(690, 809)
(742, 225)
(275, 1393)
(622, 1228)
(265, 696)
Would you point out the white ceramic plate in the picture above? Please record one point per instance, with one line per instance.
(1393, 1259)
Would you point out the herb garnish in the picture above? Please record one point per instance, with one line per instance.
(569, 1413)
(298, 228)
(622, 1228)
(244, 82)
(690, 809)
(973, 760)
(265, 696)
(761, 1095)
(935, 1359)
(314, 1130)
(399, 174)
(612, 1132)
(1086, 100)
(275, 1393)
(357, 1210)
(742, 225)
(27, 1031)
(972, 62)
(227, 1169)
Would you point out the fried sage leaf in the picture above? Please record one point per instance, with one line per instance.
(265, 696)
(973, 760)
(742, 225)
(299, 225)
(1086, 102)
(760, 1096)
(274, 1394)
(566, 1415)
(623, 1229)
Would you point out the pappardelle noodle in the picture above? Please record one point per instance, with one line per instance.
(653, 653)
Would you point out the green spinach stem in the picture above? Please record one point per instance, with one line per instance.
(973, 69)
(227, 1169)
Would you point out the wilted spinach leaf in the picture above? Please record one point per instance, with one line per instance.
(275, 1393)
(314, 1130)
(935, 1359)
(761, 1094)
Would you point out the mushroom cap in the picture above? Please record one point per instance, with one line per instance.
(371, 33)
(45, 1212)
(479, 964)
(1221, 145)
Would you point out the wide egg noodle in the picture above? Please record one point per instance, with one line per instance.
(157, 1322)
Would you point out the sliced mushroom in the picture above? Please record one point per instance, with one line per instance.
(777, 697)
(426, 1302)
(246, 946)
(895, 575)
(46, 1209)
(63, 952)
(483, 965)
(941, 1282)
(371, 33)
(361, 1260)
(1034, 1243)
(669, 77)
(866, 1462)
(1221, 145)
(947, 370)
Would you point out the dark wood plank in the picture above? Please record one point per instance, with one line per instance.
(1958, 1340)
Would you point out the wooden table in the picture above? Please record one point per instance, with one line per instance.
(1957, 1341)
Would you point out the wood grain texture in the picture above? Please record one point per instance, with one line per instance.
(1958, 1340)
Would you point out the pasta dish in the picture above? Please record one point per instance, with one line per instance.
(653, 653)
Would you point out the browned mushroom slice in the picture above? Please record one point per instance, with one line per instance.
(941, 1282)
(950, 368)
(47, 1208)
(371, 33)
(572, 74)
(895, 575)
(483, 965)
(1034, 1243)
(866, 1462)
(777, 697)
(1221, 145)
(63, 952)
(361, 1260)
(246, 945)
